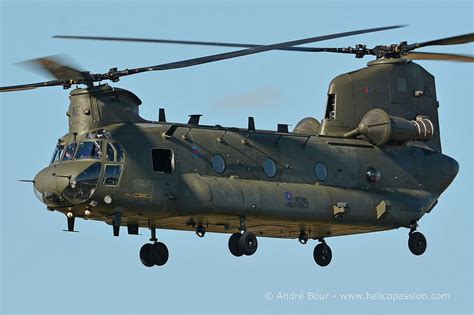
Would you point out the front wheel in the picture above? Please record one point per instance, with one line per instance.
(417, 243)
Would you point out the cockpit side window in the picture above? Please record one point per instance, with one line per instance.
(69, 152)
(89, 150)
(58, 151)
(114, 152)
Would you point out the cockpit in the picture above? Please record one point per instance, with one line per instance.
(79, 167)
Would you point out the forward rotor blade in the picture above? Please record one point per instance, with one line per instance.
(59, 69)
(438, 56)
(455, 40)
(186, 42)
(31, 86)
(249, 51)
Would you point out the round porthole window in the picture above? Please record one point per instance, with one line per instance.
(218, 163)
(373, 175)
(320, 171)
(269, 167)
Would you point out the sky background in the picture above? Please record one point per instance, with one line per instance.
(45, 270)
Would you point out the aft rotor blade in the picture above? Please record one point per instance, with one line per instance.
(455, 40)
(438, 56)
(187, 42)
(249, 51)
(30, 86)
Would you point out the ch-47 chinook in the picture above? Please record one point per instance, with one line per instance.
(373, 164)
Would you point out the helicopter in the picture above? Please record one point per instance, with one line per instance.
(368, 166)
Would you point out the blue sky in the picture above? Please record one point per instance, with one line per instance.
(44, 270)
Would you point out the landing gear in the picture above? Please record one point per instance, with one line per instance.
(70, 223)
(200, 231)
(154, 254)
(416, 240)
(243, 244)
(322, 254)
(416, 243)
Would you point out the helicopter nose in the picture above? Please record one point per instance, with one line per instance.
(51, 182)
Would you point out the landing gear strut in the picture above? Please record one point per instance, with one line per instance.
(154, 254)
(416, 241)
(322, 253)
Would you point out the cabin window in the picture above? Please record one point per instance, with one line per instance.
(163, 160)
(331, 107)
(269, 167)
(320, 171)
(69, 153)
(89, 150)
(218, 163)
(112, 175)
(58, 151)
(373, 175)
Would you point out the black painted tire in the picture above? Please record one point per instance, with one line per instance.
(248, 243)
(234, 245)
(159, 254)
(145, 255)
(417, 243)
(322, 255)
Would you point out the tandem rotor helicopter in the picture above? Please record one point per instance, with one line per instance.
(374, 163)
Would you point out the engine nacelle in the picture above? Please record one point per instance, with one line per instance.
(381, 128)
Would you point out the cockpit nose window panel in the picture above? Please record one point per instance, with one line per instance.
(112, 175)
(69, 153)
(83, 186)
(89, 150)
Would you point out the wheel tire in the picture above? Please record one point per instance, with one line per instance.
(417, 243)
(322, 254)
(145, 255)
(248, 243)
(234, 245)
(159, 254)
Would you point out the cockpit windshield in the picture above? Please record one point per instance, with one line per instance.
(69, 152)
(89, 150)
(94, 146)
(58, 152)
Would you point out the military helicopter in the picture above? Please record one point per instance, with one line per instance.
(369, 166)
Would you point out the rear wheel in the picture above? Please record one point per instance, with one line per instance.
(145, 255)
(159, 254)
(234, 245)
(248, 243)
